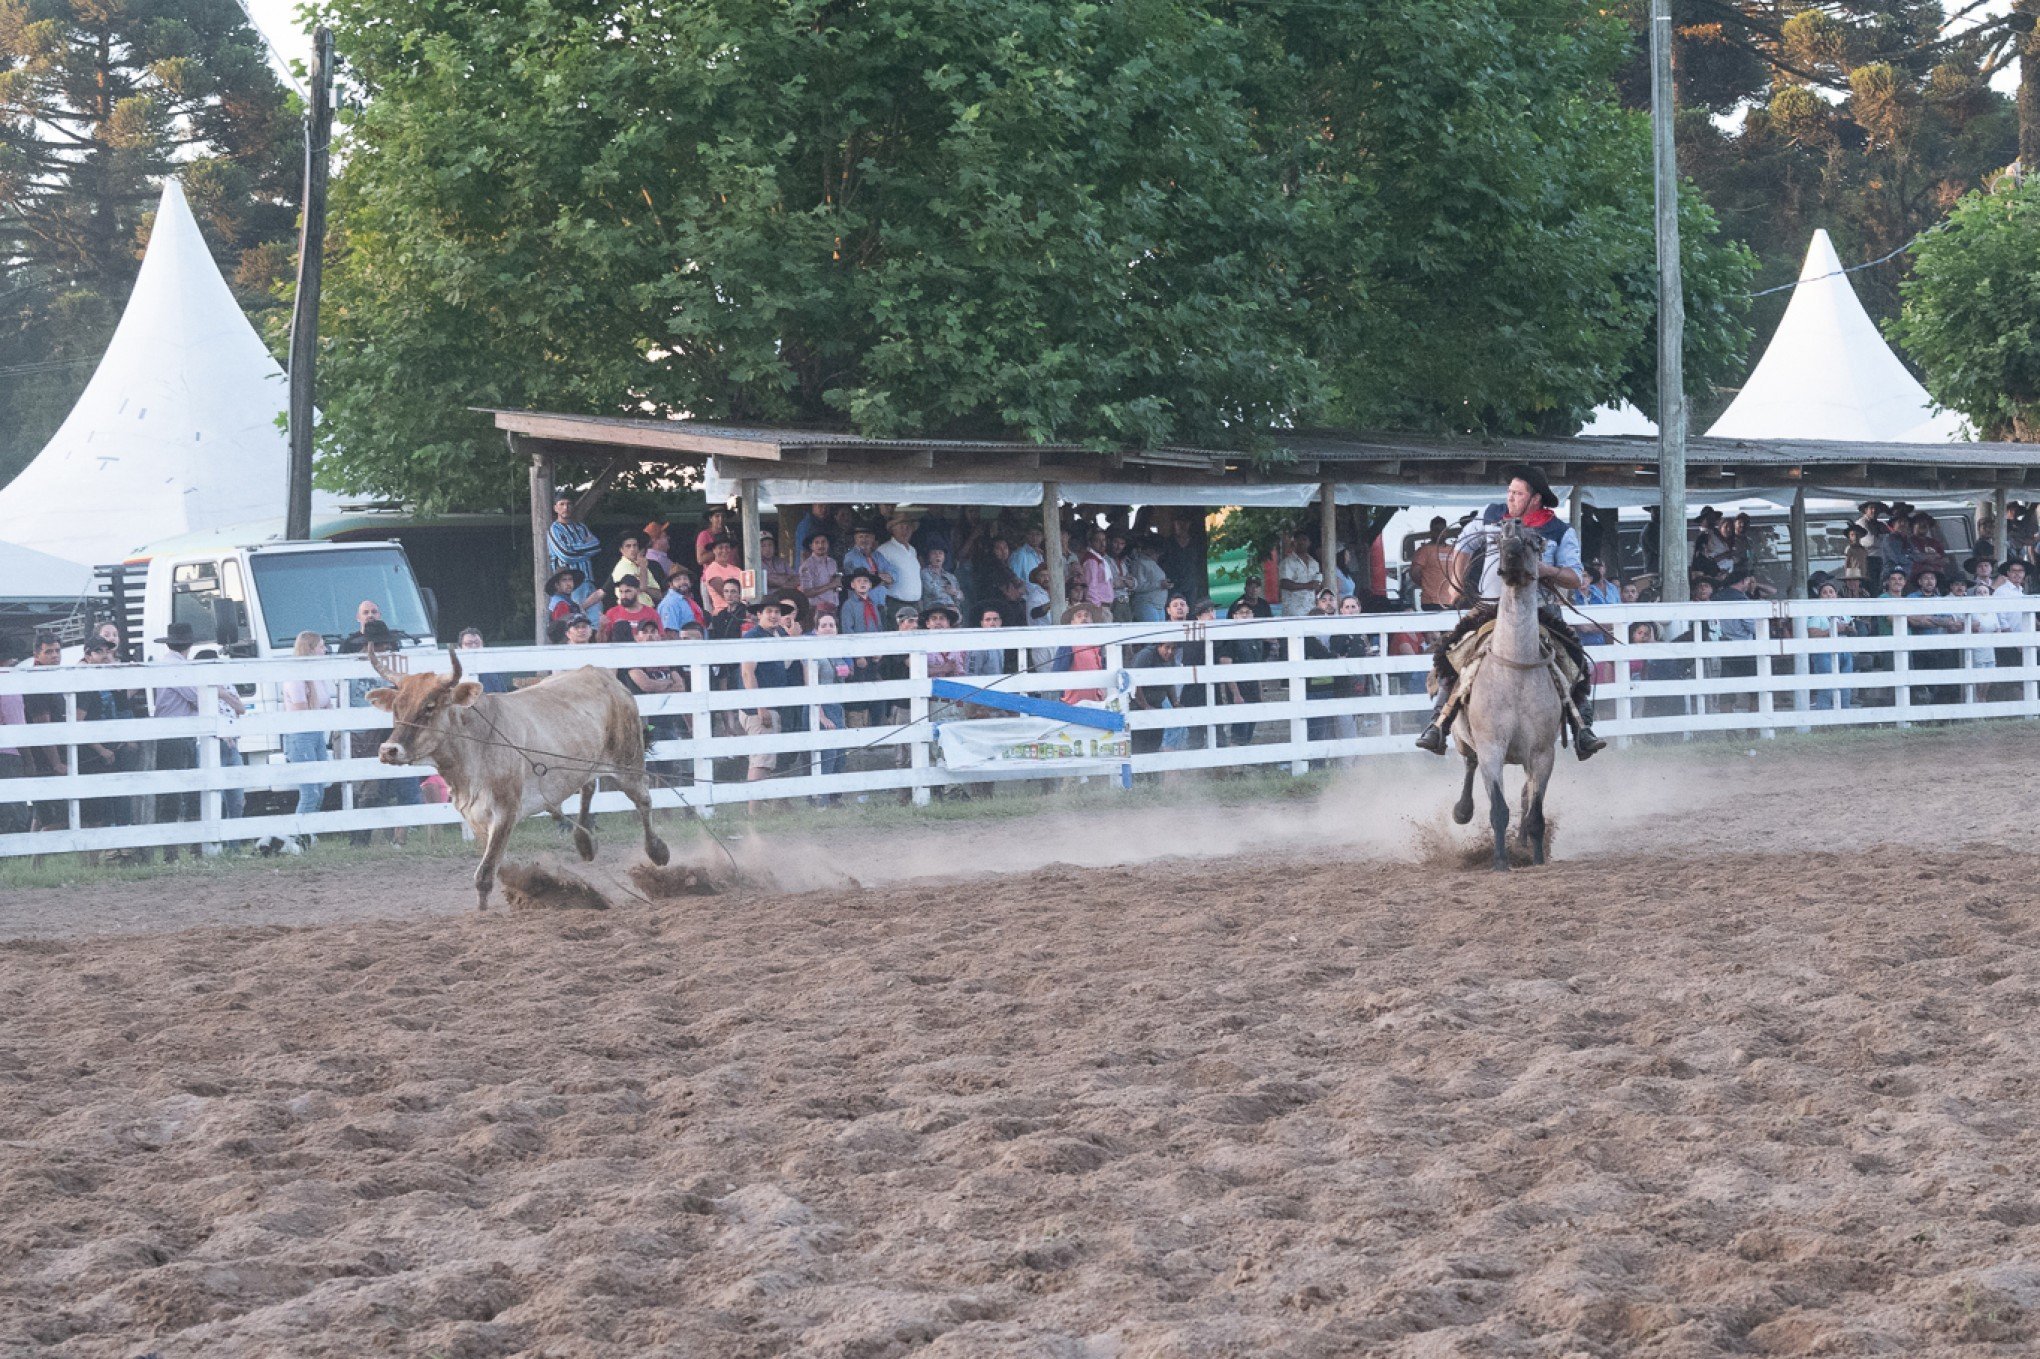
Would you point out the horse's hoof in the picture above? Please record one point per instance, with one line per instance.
(1461, 815)
(657, 852)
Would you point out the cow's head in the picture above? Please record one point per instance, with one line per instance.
(420, 707)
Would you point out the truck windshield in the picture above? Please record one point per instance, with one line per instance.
(320, 591)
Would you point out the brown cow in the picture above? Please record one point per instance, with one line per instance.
(506, 756)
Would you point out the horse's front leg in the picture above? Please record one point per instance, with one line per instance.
(1462, 810)
(1537, 779)
(1498, 808)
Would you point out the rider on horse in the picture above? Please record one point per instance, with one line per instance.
(1529, 501)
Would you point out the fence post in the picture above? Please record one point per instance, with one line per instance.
(703, 729)
(1767, 699)
(1901, 670)
(1299, 727)
(1802, 699)
(917, 725)
(811, 672)
(1115, 662)
(2030, 688)
(210, 798)
(75, 805)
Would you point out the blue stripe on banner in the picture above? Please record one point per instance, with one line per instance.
(1029, 705)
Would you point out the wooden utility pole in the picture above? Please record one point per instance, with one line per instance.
(304, 325)
(1671, 378)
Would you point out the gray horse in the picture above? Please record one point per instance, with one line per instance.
(1512, 712)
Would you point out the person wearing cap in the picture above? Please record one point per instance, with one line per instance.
(658, 536)
(677, 607)
(620, 623)
(104, 757)
(860, 610)
(763, 670)
(863, 556)
(565, 597)
(898, 560)
(1529, 503)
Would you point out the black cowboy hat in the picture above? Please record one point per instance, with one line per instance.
(955, 618)
(860, 571)
(177, 634)
(580, 577)
(1534, 478)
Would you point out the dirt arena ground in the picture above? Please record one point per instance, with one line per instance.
(1753, 1070)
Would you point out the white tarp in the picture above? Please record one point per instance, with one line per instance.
(1455, 497)
(177, 432)
(1828, 374)
(28, 574)
(774, 492)
(1641, 497)
(1031, 742)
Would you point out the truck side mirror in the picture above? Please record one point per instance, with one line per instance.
(226, 622)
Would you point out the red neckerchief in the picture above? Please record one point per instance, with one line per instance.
(1538, 517)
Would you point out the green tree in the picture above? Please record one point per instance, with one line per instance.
(1130, 224)
(98, 100)
(1866, 117)
(1972, 310)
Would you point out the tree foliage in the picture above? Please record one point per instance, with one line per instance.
(98, 100)
(1867, 117)
(1132, 224)
(1972, 310)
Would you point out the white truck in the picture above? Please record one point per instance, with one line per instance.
(254, 600)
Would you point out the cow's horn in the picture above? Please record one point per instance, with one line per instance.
(375, 661)
(455, 652)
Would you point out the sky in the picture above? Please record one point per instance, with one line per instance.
(289, 32)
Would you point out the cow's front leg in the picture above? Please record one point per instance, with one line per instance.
(584, 825)
(492, 854)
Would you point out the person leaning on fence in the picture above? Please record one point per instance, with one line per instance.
(308, 747)
(105, 756)
(364, 745)
(1529, 502)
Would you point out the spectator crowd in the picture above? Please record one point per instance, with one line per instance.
(833, 571)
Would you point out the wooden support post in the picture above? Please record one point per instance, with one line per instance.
(1052, 550)
(541, 522)
(1802, 551)
(753, 527)
(1328, 530)
(1998, 536)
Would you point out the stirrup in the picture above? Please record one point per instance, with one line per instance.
(1586, 744)
(1432, 738)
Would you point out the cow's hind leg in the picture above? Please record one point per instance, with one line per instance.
(639, 792)
(584, 828)
(1462, 810)
(492, 854)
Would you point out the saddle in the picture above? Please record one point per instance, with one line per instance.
(1468, 653)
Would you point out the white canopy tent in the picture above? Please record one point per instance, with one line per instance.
(26, 574)
(178, 430)
(1827, 374)
(1619, 418)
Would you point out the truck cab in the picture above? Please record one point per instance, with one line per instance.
(255, 600)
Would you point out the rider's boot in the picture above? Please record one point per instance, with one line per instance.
(1585, 742)
(1432, 737)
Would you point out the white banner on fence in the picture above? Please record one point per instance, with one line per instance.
(1040, 742)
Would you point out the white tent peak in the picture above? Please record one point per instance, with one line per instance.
(1618, 418)
(178, 430)
(1828, 374)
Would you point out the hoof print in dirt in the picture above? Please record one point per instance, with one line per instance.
(663, 883)
(536, 887)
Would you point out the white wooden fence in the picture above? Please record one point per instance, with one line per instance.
(1898, 668)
